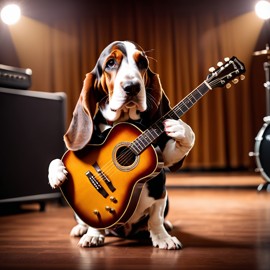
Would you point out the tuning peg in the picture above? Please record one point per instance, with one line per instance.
(211, 69)
(226, 59)
(242, 77)
(228, 85)
(235, 81)
(219, 64)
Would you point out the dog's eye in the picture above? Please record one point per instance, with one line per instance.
(111, 63)
(142, 62)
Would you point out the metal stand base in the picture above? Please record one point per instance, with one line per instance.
(264, 187)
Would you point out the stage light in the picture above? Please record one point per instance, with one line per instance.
(11, 14)
(262, 9)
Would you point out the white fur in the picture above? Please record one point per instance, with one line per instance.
(93, 237)
(159, 235)
(121, 115)
(182, 142)
(57, 173)
(79, 230)
(176, 148)
(119, 100)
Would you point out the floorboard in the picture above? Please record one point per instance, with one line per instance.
(220, 226)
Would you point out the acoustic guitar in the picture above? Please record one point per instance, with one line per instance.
(105, 181)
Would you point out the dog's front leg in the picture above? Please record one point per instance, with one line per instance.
(159, 235)
(79, 229)
(57, 173)
(92, 238)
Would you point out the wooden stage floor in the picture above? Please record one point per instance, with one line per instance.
(222, 221)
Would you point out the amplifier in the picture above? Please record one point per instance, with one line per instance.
(13, 77)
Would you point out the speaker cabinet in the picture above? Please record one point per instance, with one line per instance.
(32, 128)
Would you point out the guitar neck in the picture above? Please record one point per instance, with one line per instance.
(154, 131)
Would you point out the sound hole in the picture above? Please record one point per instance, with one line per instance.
(125, 157)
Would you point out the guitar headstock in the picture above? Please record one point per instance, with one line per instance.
(230, 71)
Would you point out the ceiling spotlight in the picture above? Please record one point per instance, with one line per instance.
(262, 9)
(11, 14)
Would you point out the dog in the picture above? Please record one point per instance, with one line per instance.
(122, 88)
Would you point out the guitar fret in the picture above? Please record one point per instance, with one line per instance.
(140, 147)
(152, 133)
(134, 148)
(140, 144)
(143, 140)
(189, 100)
(173, 115)
(184, 103)
(199, 92)
(183, 109)
(146, 136)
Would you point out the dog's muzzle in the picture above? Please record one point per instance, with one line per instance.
(131, 88)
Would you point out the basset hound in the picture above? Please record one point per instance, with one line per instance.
(122, 88)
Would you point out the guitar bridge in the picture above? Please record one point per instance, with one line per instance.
(96, 184)
(104, 177)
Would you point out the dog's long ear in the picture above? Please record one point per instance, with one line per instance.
(81, 127)
(157, 102)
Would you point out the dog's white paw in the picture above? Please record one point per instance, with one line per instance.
(57, 173)
(88, 240)
(78, 230)
(93, 238)
(165, 241)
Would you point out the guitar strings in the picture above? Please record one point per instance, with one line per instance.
(127, 155)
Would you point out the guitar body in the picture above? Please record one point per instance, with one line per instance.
(105, 181)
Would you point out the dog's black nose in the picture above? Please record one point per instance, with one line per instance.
(131, 88)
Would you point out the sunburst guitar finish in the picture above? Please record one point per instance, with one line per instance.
(105, 181)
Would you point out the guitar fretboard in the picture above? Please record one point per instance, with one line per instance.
(154, 131)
